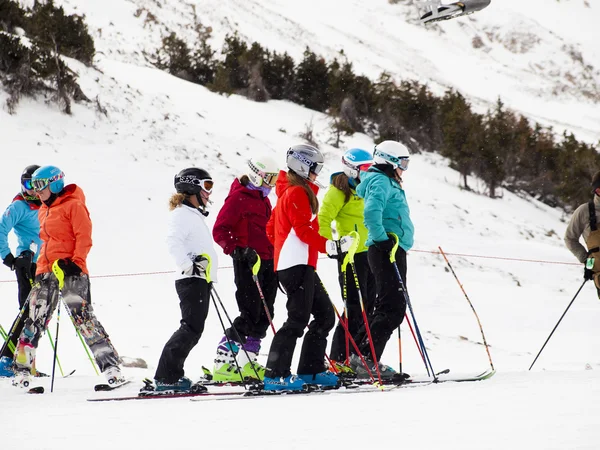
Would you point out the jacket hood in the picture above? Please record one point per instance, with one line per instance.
(237, 188)
(70, 191)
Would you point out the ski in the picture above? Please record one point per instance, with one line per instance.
(439, 12)
(107, 387)
(155, 396)
(36, 390)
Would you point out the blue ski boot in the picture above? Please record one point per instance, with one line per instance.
(184, 384)
(6, 367)
(289, 383)
(325, 379)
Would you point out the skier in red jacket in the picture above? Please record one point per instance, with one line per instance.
(294, 231)
(240, 229)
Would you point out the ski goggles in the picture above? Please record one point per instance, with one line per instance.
(39, 184)
(269, 178)
(316, 168)
(206, 184)
(27, 184)
(398, 162)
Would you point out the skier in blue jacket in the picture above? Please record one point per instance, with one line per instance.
(22, 217)
(386, 211)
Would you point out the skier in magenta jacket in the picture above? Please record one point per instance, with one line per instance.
(240, 229)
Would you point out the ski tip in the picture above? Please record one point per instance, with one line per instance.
(36, 390)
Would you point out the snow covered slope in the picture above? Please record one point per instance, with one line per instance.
(154, 125)
(540, 56)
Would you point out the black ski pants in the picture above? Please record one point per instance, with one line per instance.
(253, 320)
(306, 296)
(24, 281)
(355, 317)
(194, 301)
(390, 304)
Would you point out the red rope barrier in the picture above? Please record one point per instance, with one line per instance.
(435, 252)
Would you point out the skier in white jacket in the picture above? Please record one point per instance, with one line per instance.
(191, 245)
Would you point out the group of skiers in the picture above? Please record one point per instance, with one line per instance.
(54, 233)
(279, 247)
(271, 248)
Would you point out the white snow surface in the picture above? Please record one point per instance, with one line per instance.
(507, 252)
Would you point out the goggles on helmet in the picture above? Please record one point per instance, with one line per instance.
(27, 184)
(401, 163)
(205, 184)
(316, 167)
(269, 178)
(39, 184)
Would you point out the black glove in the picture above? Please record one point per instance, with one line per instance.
(588, 274)
(69, 267)
(385, 246)
(25, 262)
(9, 261)
(245, 254)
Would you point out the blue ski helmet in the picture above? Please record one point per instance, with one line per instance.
(48, 176)
(355, 160)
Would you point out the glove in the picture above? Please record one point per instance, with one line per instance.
(385, 246)
(336, 249)
(197, 268)
(69, 268)
(25, 262)
(245, 254)
(9, 261)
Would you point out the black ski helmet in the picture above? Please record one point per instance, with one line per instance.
(191, 181)
(26, 175)
(595, 182)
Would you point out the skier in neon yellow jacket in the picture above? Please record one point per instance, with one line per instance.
(342, 205)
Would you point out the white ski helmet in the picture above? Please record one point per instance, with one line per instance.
(304, 159)
(393, 153)
(263, 170)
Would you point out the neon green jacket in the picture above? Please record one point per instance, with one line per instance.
(347, 216)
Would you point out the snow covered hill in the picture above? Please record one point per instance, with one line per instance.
(512, 263)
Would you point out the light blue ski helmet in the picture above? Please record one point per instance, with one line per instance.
(355, 160)
(48, 176)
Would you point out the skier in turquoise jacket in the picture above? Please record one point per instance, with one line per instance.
(386, 211)
(343, 206)
(21, 216)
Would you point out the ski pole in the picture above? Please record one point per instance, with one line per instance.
(7, 342)
(13, 328)
(214, 294)
(399, 350)
(487, 347)
(349, 259)
(428, 364)
(345, 300)
(255, 269)
(55, 349)
(559, 320)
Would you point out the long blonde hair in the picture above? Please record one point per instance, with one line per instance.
(296, 180)
(176, 200)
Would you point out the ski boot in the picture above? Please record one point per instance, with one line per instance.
(184, 384)
(225, 369)
(114, 377)
(326, 380)
(342, 370)
(22, 379)
(387, 373)
(289, 383)
(247, 359)
(6, 367)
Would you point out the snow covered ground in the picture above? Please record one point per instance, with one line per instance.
(513, 265)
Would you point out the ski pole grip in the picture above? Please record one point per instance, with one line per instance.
(256, 266)
(352, 250)
(393, 252)
(59, 274)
